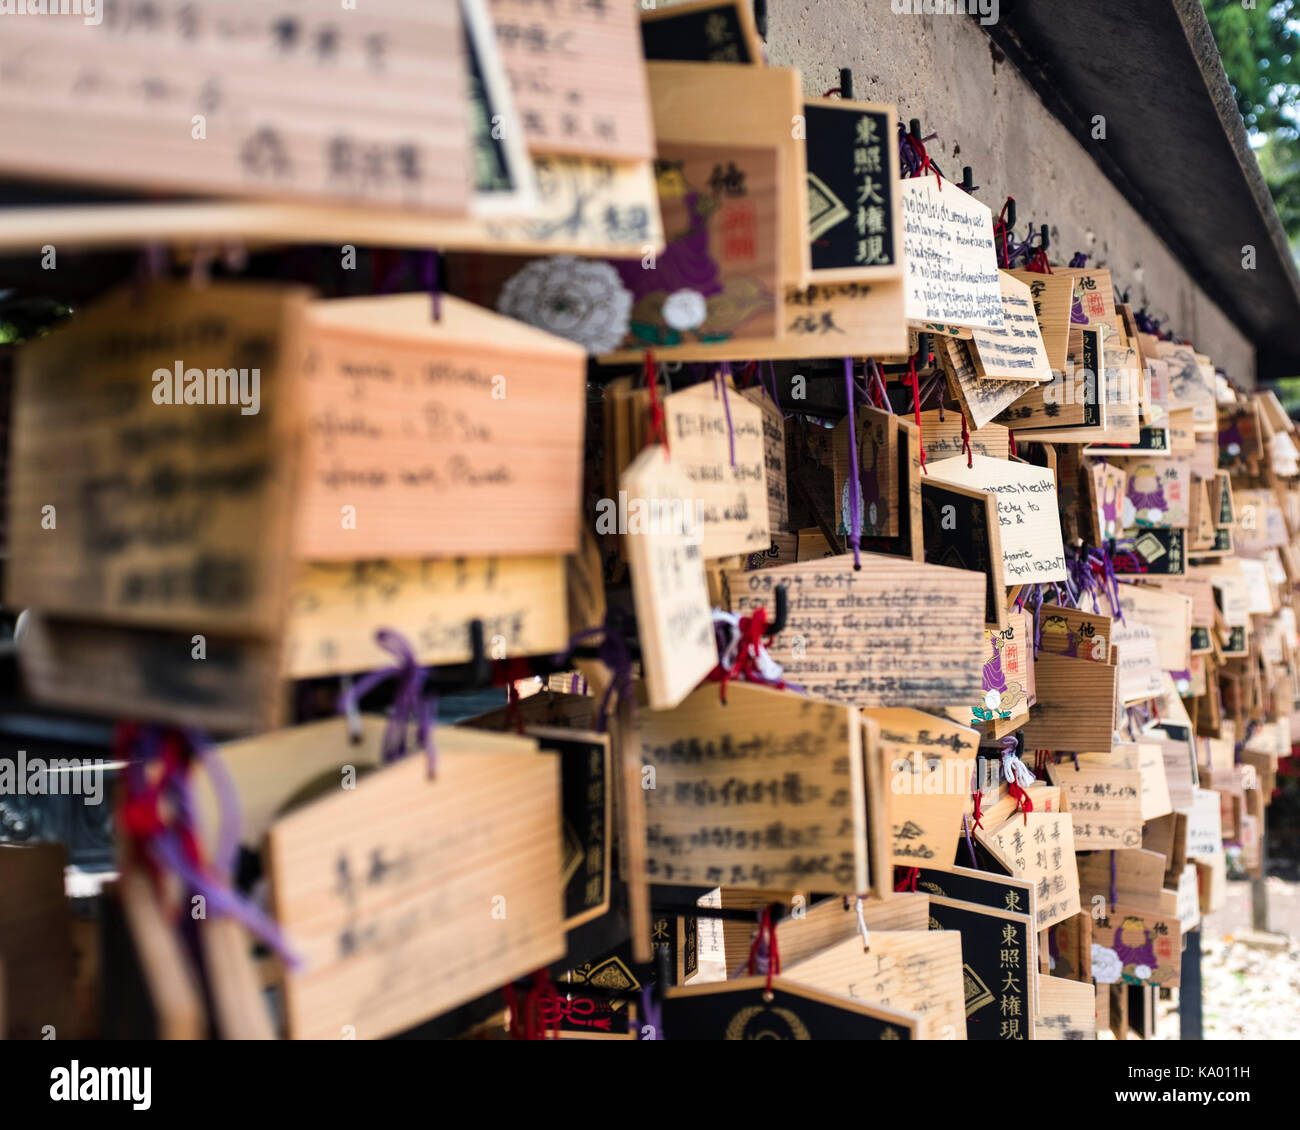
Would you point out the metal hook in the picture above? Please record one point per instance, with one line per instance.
(480, 666)
(846, 82)
(782, 613)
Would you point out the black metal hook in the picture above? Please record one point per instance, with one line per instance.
(474, 675)
(782, 613)
(846, 82)
(1045, 239)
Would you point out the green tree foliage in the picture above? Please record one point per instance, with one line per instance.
(1260, 46)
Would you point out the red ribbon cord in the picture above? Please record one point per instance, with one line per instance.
(926, 166)
(908, 880)
(1023, 803)
(140, 816)
(977, 799)
(532, 1019)
(752, 629)
(657, 432)
(579, 1012)
(1011, 441)
(916, 406)
(766, 929)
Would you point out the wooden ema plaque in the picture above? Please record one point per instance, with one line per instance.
(853, 200)
(1066, 1010)
(1007, 688)
(894, 633)
(408, 896)
(1028, 520)
(778, 502)
(961, 530)
(155, 675)
(308, 106)
(1105, 803)
(943, 437)
(1015, 351)
(982, 888)
(825, 921)
(952, 269)
(999, 967)
(1039, 846)
(705, 425)
(1076, 698)
(578, 78)
(928, 762)
(909, 541)
(743, 1009)
(434, 437)
(878, 455)
(913, 971)
(149, 525)
(767, 790)
(673, 613)
(584, 206)
(1053, 298)
(715, 107)
(1136, 946)
(981, 399)
(721, 264)
(705, 31)
(335, 608)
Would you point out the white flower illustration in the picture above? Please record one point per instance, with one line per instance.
(685, 309)
(581, 299)
(1106, 965)
(1142, 972)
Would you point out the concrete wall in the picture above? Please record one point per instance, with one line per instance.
(945, 71)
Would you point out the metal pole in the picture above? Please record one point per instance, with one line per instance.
(1189, 990)
(1259, 883)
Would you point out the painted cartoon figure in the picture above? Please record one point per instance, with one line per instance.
(999, 695)
(1135, 949)
(686, 293)
(1147, 495)
(1059, 638)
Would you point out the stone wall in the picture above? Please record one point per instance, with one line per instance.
(945, 71)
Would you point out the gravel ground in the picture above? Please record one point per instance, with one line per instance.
(1251, 992)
